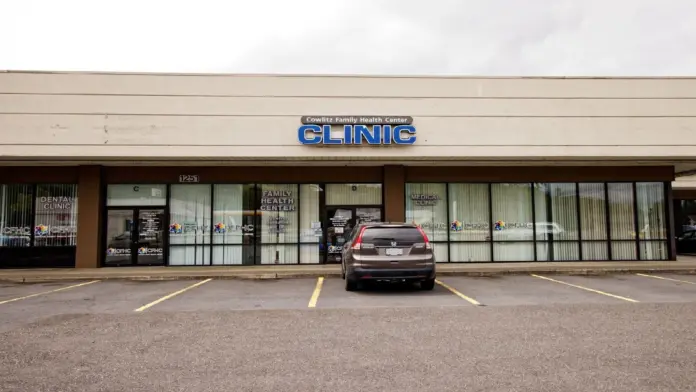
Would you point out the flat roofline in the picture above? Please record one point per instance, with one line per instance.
(331, 75)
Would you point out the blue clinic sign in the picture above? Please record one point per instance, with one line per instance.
(356, 130)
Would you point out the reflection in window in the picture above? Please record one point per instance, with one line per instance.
(548, 221)
(277, 220)
(621, 211)
(685, 216)
(233, 224)
(56, 215)
(190, 225)
(512, 212)
(555, 206)
(593, 221)
(311, 231)
(426, 205)
(15, 216)
(651, 210)
(622, 220)
(512, 221)
(556, 216)
(469, 213)
(652, 223)
(136, 195)
(310, 221)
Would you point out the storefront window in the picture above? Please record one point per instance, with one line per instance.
(233, 224)
(593, 221)
(556, 221)
(311, 232)
(277, 234)
(426, 206)
(190, 225)
(545, 221)
(513, 222)
(469, 212)
(652, 223)
(136, 195)
(467, 252)
(15, 216)
(685, 216)
(353, 194)
(56, 215)
(469, 215)
(622, 220)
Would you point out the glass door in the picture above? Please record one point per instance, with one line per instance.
(368, 214)
(119, 237)
(150, 237)
(134, 237)
(340, 223)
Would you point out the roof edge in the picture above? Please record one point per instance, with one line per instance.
(336, 75)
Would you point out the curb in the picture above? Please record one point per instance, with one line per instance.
(299, 275)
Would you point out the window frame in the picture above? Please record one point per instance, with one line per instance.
(580, 241)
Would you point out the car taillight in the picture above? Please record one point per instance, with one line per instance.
(358, 240)
(425, 238)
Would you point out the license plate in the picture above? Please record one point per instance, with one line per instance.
(394, 251)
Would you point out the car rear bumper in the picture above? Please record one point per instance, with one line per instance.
(393, 274)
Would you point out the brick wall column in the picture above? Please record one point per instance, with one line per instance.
(89, 222)
(394, 189)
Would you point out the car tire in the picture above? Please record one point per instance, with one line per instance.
(351, 285)
(428, 284)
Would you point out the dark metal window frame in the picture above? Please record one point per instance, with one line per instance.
(580, 241)
(255, 244)
(32, 235)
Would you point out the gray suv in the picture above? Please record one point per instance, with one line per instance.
(388, 252)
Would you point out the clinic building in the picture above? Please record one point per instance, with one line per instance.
(109, 169)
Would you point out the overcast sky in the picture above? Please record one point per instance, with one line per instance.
(462, 37)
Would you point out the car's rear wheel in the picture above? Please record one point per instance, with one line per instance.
(428, 284)
(351, 285)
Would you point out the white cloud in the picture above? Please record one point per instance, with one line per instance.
(465, 37)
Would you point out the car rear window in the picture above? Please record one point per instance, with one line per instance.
(405, 234)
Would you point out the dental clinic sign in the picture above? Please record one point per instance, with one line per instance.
(356, 130)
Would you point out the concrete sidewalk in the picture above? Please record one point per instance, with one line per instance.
(684, 264)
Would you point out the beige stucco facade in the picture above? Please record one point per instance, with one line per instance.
(93, 131)
(510, 121)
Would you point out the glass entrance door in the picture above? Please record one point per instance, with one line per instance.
(340, 223)
(135, 236)
(150, 237)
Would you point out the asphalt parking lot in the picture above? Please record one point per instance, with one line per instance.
(519, 332)
(25, 302)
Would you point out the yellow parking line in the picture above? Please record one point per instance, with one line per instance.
(166, 297)
(315, 294)
(458, 294)
(663, 278)
(585, 288)
(48, 292)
